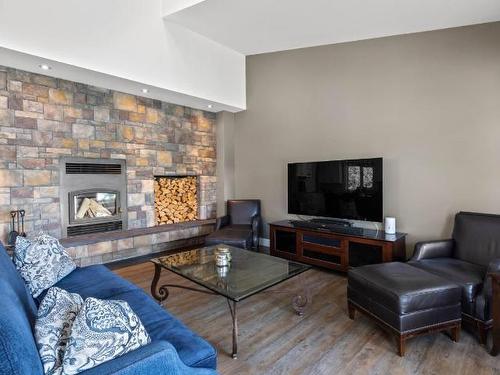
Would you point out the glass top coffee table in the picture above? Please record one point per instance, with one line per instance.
(248, 273)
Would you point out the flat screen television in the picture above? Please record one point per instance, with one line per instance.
(344, 189)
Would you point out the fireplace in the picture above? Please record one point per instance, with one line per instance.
(93, 195)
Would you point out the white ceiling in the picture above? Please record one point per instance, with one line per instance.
(74, 73)
(259, 26)
(123, 45)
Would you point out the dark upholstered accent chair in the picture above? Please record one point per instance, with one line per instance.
(240, 227)
(466, 260)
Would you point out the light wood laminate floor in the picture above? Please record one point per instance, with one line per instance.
(274, 340)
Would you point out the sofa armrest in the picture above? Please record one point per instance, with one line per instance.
(221, 222)
(433, 249)
(159, 357)
(256, 224)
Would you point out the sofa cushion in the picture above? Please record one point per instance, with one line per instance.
(102, 330)
(469, 276)
(56, 314)
(192, 349)
(242, 227)
(95, 281)
(401, 288)
(41, 262)
(237, 235)
(17, 317)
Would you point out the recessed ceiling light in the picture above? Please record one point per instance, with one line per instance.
(44, 67)
(145, 91)
(209, 106)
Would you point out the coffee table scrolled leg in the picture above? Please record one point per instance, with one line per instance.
(160, 294)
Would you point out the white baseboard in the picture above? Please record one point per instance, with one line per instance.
(264, 242)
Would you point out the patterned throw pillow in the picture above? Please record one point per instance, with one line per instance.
(42, 262)
(102, 330)
(56, 314)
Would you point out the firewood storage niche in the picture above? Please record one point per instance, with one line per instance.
(176, 199)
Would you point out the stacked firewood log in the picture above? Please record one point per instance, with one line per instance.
(176, 199)
(90, 208)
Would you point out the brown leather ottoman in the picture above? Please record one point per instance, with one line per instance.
(404, 299)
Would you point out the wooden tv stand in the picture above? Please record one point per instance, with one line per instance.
(335, 249)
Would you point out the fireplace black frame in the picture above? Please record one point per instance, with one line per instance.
(73, 194)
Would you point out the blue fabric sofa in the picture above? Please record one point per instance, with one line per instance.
(174, 348)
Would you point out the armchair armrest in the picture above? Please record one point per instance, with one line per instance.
(492, 275)
(433, 249)
(221, 222)
(159, 357)
(256, 224)
(492, 289)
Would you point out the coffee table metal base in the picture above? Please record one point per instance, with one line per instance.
(299, 301)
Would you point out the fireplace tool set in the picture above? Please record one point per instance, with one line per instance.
(17, 226)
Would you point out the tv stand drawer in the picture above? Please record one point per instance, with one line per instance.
(323, 250)
(326, 241)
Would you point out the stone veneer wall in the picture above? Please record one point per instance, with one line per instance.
(43, 119)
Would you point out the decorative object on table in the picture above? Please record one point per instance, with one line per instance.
(221, 260)
(42, 262)
(390, 225)
(22, 213)
(11, 240)
(102, 330)
(54, 321)
(225, 251)
(222, 256)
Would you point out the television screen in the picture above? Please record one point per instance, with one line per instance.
(346, 189)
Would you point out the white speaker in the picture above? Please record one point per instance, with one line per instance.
(390, 225)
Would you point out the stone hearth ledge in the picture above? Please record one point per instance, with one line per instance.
(106, 247)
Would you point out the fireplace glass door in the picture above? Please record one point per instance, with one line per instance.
(94, 206)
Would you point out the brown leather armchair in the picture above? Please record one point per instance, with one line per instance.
(240, 227)
(471, 259)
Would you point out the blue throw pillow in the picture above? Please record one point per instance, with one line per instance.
(103, 330)
(42, 262)
(56, 314)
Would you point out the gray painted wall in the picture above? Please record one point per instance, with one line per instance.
(225, 159)
(429, 103)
